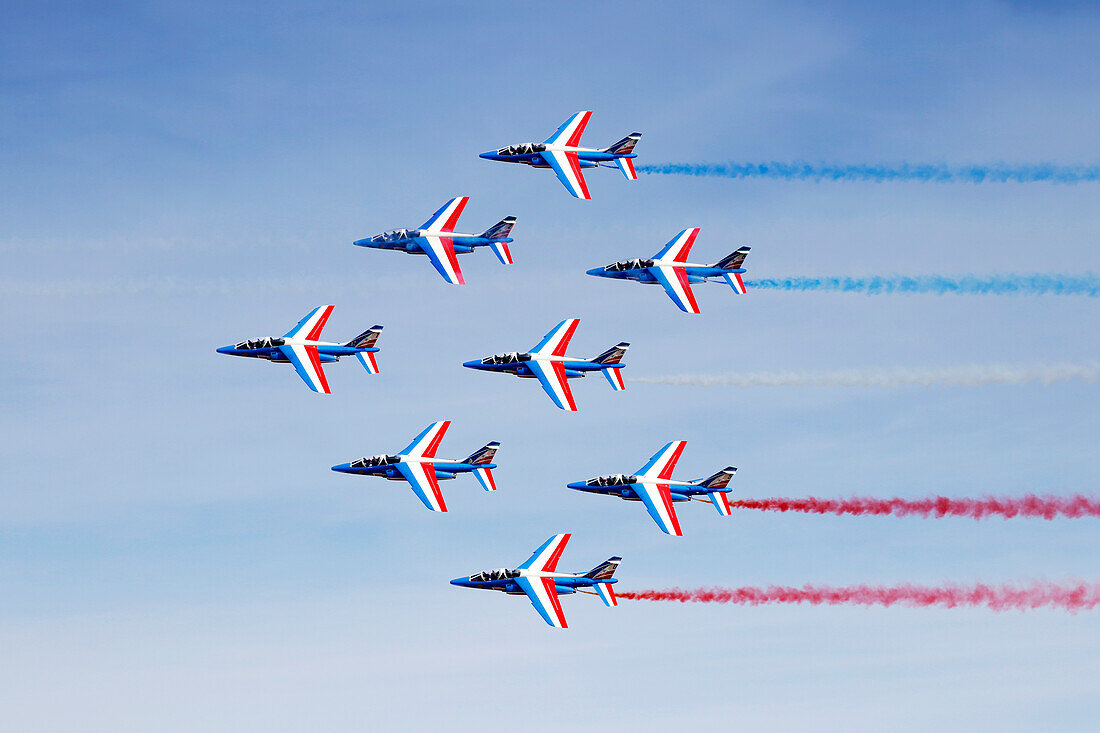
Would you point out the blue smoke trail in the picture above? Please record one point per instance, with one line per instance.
(1088, 285)
(932, 173)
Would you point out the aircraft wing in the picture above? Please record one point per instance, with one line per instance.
(661, 465)
(658, 502)
(446, 217)
(441, 251)
(568, 170)
(675, 282)
(311, 325)
(425, 444)
(678, 249)
(307, 362)
(557, 341)
(421, 476)
(544, 597)
(570, 131)
(546, 557)
(552, 377)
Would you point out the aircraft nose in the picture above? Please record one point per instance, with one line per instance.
(488, 154)
(577, 485)
(595, 271)
(461, 581)
(225, 350)
(342, 467)
(474, 364)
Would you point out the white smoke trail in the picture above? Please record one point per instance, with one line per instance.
(960, 376)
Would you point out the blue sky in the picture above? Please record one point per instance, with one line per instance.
(175, 553)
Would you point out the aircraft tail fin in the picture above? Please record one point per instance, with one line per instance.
(605, 570)
(734, 260)
(719, 480)
(719, 496)
(624, 146)
(366, 339)
(614, 355)
(483, 455)
(501, 230)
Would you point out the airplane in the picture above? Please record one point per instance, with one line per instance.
(670, 269)
(654, 486)
(548, 363)
(538, 579)
(437, 238)
(561, 152)
(417, 464)
(300, 346)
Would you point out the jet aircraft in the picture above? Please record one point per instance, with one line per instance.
(548, 363)
(538, 579)
(417, 464)
(562, 152)
(437, 239)
(654, 486)
(300, 346)
(670, 269)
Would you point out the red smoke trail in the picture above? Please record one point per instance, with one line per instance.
(1072, 598)
(1047, 507)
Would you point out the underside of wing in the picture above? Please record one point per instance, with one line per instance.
(427, 442)
(551, 375)
(658, 502)
(544, 597)
(675, 282)
(663, 462)
(446, 217)
(567, 167)
(570, 131)
(557, 341)
(678, 249)
(310, 327)
(441, 252)
(307, 362)
(545, 559)
(421, 476)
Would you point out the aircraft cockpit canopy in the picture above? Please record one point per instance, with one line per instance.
(510, 358)
(265, 343)
(498, 574)
(396, 235)
(616, 479)
(523, 149)
(629, 265)
(375, 461)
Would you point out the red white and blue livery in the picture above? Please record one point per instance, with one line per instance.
(438, 239)
(417, 464)
(670, 269)
(654, 486)
(549, 364)
(302, 347)
(563, 153)
(540, 581)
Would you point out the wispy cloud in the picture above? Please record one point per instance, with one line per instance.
(1087, 284)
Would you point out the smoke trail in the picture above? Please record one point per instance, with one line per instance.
(1047, 507)
(1072, 598)
(928, 173)
(1088, 285)
(964, 376)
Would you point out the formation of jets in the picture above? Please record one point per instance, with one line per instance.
(417, 463)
